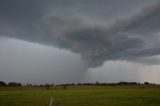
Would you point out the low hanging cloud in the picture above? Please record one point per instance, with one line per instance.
(123, 39)
(78, 27)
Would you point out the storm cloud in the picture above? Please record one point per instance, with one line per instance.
(123, 39)
(98, 31)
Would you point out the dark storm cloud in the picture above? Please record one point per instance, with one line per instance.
(97, 43)
(97, 30)
(17, 17)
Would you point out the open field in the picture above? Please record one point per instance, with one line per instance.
(81, 96)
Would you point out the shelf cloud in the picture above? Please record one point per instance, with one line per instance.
(95, 31)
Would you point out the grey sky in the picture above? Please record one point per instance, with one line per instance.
(78, 35)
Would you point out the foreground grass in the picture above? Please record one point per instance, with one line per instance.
(81, 96)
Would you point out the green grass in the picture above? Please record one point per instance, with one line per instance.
(81, 96)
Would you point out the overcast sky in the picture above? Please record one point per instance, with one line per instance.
(65, 41)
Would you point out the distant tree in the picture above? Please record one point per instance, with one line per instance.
(41, 85)
(72, 84)
(97, 83)
(47, 86)
(14, 84)
(29, 85)
(65, 86)
(19, 84)
(79, 84)
(2, 83)
(146, 83)
(122, 83)
(132, 83)
(138, 83)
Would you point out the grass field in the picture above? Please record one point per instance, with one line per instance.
(81, 96)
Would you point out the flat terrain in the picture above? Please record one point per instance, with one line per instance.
(81, 96)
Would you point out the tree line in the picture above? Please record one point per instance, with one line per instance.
(121, 83)
(15, 84)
